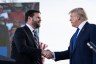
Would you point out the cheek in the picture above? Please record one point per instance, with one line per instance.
(36, 20)
(74, 20)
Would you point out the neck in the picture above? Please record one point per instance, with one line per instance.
(79, 22)
(31, 25)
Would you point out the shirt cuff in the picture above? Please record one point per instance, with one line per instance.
(53, 56)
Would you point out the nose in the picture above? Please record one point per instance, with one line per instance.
(70, 20)
(40, 20)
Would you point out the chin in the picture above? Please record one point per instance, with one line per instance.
(37, 26)
(73, 26)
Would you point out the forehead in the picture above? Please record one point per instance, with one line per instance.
(73, 14)
(37, 14)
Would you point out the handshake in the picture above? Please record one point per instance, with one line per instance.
(46, 53)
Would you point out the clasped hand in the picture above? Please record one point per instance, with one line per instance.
(46, 53)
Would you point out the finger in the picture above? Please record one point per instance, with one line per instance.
(45, 46)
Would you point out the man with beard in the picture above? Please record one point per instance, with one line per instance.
(25, 44)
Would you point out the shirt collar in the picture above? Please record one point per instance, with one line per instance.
(31, 29)
(81, 25)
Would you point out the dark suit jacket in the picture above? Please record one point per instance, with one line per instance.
(82, 54)
(24, 49)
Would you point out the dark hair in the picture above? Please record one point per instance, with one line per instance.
(30, 13)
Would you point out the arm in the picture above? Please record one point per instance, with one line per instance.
(56, 55)
(62, 55)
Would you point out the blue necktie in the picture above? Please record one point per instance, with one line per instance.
(75, 37)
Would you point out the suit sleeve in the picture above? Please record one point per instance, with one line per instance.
(62, 55)
(21, 45)
(93, 40)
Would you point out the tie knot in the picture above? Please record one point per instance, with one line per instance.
(76, 33)
(35, 33)
(77, 29)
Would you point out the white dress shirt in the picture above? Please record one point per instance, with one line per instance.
(81, 26)
(31, 29)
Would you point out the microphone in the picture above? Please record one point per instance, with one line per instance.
(92, 46)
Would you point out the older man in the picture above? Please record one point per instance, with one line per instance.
(78, 51)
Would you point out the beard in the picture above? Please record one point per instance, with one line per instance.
(36, 24)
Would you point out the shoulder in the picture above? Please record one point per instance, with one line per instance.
(92, 27)
(19, 31)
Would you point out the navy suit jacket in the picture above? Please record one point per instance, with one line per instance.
(81, 54)
(24, 49)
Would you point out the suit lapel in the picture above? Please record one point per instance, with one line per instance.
(80, 34)
(30, 35)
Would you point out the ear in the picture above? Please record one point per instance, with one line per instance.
(29, 18)
(78, 18)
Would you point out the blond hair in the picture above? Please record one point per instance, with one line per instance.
(80, 13)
